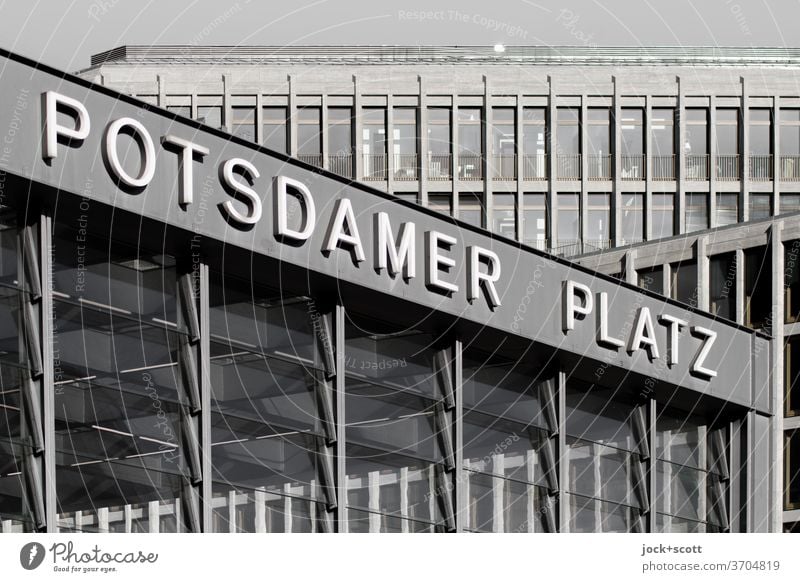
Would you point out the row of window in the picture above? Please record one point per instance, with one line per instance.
(405, 144)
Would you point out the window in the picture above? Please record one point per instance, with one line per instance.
(632, 216)
(758, 299)
(727, 208)
(504, 132)
(598, 142)
(683, 286)
(534, 220)
(632, 131)
(692, 471)
(504, 402)
(760, 144)
(471, 209)
(722, 285)
(791, 464)
(405, 143)
(340, 140)
(598, 233)
(309, 135)
(727, 143)
(696, 145)
(274, 129)
(470, 143)
(652, 279)
(374, 143)
(791, 367)
(243, 124)
(568, 144)
(696, 211)
(569, 220)
(440, 136)
(182, 110)
(662, 156)
(789, 202)
(760, 205)
(791, 281)
(211, 115)
(606, 474)
(440, 203)
(504, 214)
(267, 433)
(790, 144)
(663, 215)
(534, 145)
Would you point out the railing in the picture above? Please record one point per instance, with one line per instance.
(697, 167)
(662, 168)
(470, 167)
(440, 167)
(405, 167)
(542, 244)
(341, 164)
(505, 167)
(760, 168)
(534, 167)
(632, 167)
(790, 168)
(573, 247)
(313, 159)
(727, 167)
(568, 166)
(374, 166)
(599, 167)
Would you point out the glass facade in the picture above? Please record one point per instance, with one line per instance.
(273, 129)
(632, 217)
(340, 140)
(534, 219)
(243, 122)
(722, 285)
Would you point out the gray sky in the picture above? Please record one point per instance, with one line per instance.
(64, 34)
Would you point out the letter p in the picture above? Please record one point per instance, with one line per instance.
(51, 101)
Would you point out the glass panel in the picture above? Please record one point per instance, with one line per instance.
(600, 472)
(591, 515)
(597, 414)
(534, 220)
(340, 131)
(727, 209)
(182, 110)
(504, 215)
(791, 370)
(501, 505)
(696, 132)
(568, 132)
(760, 206)
(632, 132)
(663, 138)
(791, 280)
(274, 129)
(243, 124)
(684, 282)
(470, 209)
(598, 231)
(696, 211)
(503, 390)
(652, 279)
(440, 203)
(309, 136)
(791, 487)
(757, 282)
(245, 511)
(663, 214)
(632, 218)
(727, 130)
(469, 131)
(722, 286)
(568, 218)
(211, 115)
(680, 490)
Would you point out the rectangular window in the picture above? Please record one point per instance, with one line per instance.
(663, 215)
(791, 281)
(791, 367)
(309, 135)
(504, 214)
(632, 132)
(182, 110)
(598, 141)
(727, 142)
(789, 202)
(760, 206)
(534, 145)
(274, 129)
(470, 143)
(471, 209)
(243, 124)
(340, 141)
(440, 135)
(758, 299)
(662, 144)
(696, 145)
(568, 144)
(652, 279)
(405, 143)
(598, 233)
(696, 211)
(760, 144)
(790, 144)
(683, 286)
(727, 208)
(722, 285)
(791, 470)
(440, 203)
(211, 115)
(373, 149)
(534, 220)
(632, 215)
(569, 222)
(504, 143)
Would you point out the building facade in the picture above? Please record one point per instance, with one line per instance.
(201, 334)
(568, 149)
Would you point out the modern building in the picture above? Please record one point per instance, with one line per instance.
(748, 273)
(200, 334)
(569, 149)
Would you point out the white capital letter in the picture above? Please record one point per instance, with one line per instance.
(708, 337)
(147, 152)
(402, 255)
(282, 185)
(569, 308)
(187, 151)
(475, 276)
(343, 230)
(433, 243)
(674, 325)
(644, 335)
(602, 324)
(229, 179)
(52, 129)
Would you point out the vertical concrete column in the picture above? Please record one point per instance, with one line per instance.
(584, 194)
(227, 115)
(647, 231)
(390, 159)
(518, 129)
(460, 490)
(680, 158)
(712, 170)
(455, 183)
(162, 91)
(422, 143)
(259, 118)
(323, 132)
(194, 105)
(550, 136)
(339, 387)
(777, 331)
(776, 157)
(629, 264)
(563, 465)
(358, 126)
(702, 272)
(740, 299)
(744, 171)
(291, 125)
(488, 152)
(616, 147)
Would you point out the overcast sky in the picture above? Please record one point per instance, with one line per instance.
(65, 34)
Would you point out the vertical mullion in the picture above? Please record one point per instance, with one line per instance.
(48, 401)
(341, 475)
(459, 490)
(206, 488)
(563, 469)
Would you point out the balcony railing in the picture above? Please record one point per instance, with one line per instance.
(662, 168)
(697, 167)
(470, 167)
(599, 167)
(568, 166)
(313, 159)
(374, 166)
(572, 247)
(440, 167)
(534, 167)
(504, 167)
(727, 167)
(341, 164)
(632, 167)
(760, 168)
(790, 168)
(542, 244)
(405, 167)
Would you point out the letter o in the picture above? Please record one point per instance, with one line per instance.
(149, 153)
